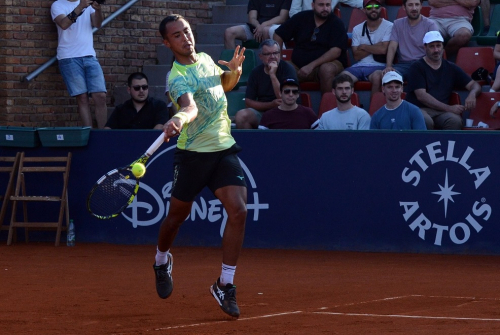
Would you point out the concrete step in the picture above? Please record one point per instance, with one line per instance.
(213, 50)
(212, 33)
(157, 74)
(236, 2)
(229, 14)
(164, 55)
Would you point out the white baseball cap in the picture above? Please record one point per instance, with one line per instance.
(392, 76)
(433, 36)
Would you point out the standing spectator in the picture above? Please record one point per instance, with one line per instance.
(140, 111)
(320, 47)
(345, 116)
(264, 16)
(432, 82)
(301, 5)
(263, 89)
(288, 115)
(370, 40)
(495, 87)
(453, 18)
(396, 114)
(78, 64)
(406, 39)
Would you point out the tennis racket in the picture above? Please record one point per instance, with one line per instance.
(114, 191)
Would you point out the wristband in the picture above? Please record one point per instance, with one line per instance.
(183, 116)
(72, 16)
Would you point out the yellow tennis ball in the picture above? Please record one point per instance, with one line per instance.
(138, 169)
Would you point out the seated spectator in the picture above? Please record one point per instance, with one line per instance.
(396, 114)
(345, 116)
(301, 5)
(140, 111)
(263, 89)
(406, 40)
(320, 47)
(172, 109)
(264, 16)
(494, 108)
(432, 80)
(453, 18)
(288, 115)
(495, 87)
(370, 40)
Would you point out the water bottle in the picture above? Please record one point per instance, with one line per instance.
(70, 238)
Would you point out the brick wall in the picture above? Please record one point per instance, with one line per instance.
(29, 38)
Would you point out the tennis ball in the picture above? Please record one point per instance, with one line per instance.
(138, 169)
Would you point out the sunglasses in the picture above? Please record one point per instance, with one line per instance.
(288, 90)
(313, 37)
(369, 7)
(138, 87)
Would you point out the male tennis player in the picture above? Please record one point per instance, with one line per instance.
(205, 155)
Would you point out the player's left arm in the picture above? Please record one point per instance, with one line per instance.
(229, 79)
(96, 17)
(188, 112)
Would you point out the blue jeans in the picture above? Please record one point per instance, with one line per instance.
(82, 75)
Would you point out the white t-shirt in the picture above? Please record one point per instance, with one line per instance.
(77, 40)
(382, 34)
(354, 118)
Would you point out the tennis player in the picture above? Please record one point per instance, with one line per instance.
(205, 155)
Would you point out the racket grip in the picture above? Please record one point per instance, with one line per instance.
(156, 144)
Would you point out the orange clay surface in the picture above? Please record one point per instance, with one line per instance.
(110, 289)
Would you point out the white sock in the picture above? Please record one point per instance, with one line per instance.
(227, 274)
(161, 256)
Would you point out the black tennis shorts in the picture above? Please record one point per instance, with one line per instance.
(195, 170)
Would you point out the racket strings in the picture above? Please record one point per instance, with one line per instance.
(113, 193)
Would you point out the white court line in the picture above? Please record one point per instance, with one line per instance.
(370, 301)
(407, 316)
(241, 319)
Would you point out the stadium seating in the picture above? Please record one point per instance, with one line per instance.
(491, 38)
(305, 98)
(329, 101)
(235, 102)
(470, 59)
(482, 111)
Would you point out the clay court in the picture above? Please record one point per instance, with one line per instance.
(109, 289)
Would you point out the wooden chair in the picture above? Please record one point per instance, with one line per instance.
(30, 179)
(8, 165)
(329, 101)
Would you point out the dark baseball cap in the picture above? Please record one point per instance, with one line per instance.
(289, 81)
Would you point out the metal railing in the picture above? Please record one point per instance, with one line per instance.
(110, 18)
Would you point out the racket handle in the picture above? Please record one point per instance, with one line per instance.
(156, 144)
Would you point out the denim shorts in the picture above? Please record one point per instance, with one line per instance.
(82, 75)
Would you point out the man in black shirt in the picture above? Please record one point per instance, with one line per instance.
(320, 51)
(140, 111)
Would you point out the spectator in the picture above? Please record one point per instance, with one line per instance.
(494, 108)
(406, 39)
(495, 87)
(345, 116)
(485, 8)
(140, 111)
(396, 114)
(263, 89)
(76, 56)
(288, 115)
(264, 16)
(453, 18)
(370, 40)
(301, 5)
(172, 109)
(432, 82)
(320, 47)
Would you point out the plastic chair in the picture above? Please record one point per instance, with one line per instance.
(248, 65)
(470, 59)
(425, 11)
(235, 102)
(491, 38)
(329, 101)
(482, 111)
(378, 100)
(306, 99)
(477, 23)
(29, 177)
(286, 54)
(358, 16)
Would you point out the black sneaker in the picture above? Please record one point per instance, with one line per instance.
(163, 275)
(226, 297)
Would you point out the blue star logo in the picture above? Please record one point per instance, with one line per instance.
(446, 194)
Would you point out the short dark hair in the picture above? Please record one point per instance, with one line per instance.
(136, 75)
(405, 1)
(168, 19)
(269, 43)
(342, 78)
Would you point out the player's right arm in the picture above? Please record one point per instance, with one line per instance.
(188, 112)
(64, 22)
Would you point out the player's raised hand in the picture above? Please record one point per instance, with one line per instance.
(235, 64)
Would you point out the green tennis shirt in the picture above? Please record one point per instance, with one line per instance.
(211, 129)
